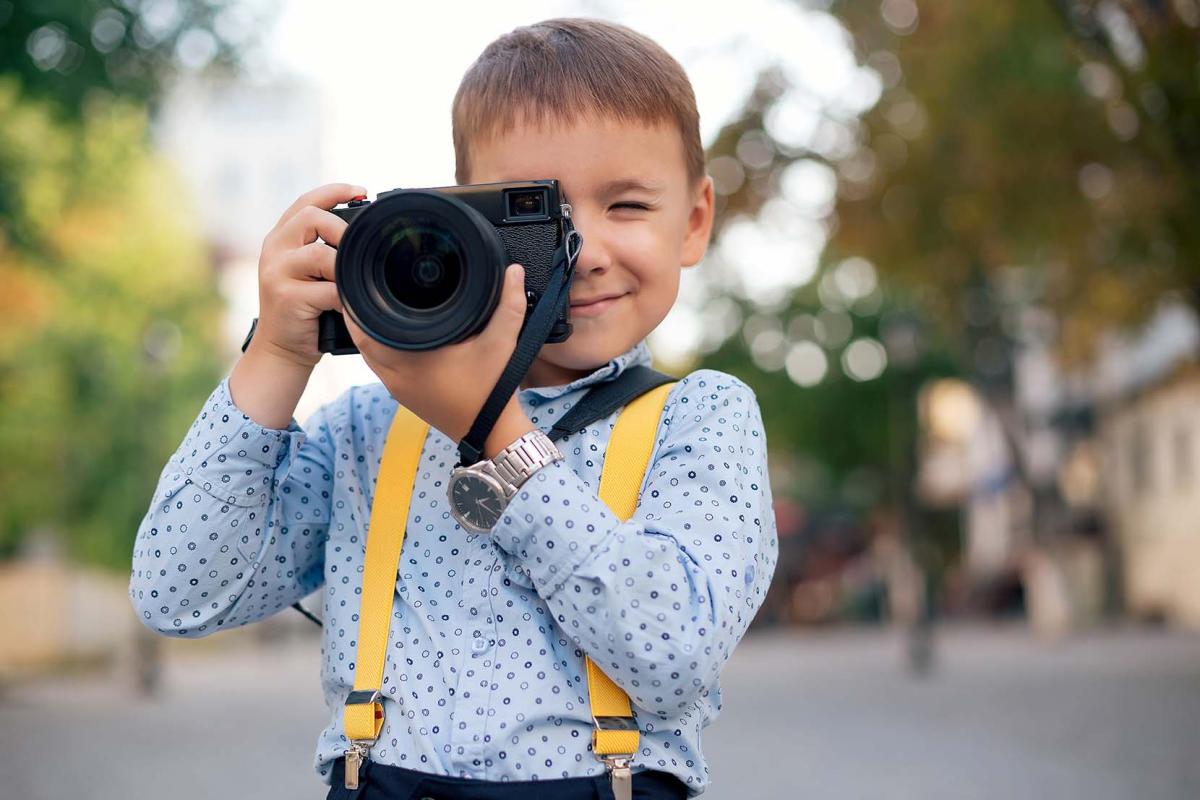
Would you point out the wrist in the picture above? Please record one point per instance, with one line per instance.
(512, 425)
(267, 388)
(281, 359)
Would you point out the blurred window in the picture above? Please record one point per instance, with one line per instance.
(1183, 456)
(1139, 458)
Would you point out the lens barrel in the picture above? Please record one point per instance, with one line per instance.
(419, 269)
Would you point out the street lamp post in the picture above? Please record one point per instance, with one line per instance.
(902, 337)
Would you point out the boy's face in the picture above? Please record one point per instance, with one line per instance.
(641, 221)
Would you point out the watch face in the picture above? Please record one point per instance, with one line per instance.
(477, 500)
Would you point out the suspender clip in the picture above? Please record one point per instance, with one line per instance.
(620, 774)
(356, 754)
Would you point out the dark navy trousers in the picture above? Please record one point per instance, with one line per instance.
(385, 782)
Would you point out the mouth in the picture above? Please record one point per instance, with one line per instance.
(595, 306)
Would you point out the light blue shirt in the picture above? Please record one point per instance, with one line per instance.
(485, 675)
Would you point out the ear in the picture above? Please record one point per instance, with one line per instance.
(699, 223)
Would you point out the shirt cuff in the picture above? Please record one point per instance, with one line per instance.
(226, 453)
(552, 525)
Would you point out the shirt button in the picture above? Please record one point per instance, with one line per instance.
(479, 645)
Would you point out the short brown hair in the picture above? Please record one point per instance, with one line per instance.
(558, 69)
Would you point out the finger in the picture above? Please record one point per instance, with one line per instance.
(318, 295)
(313, 261)
(505, 323)
(325, 197)
(307, 224)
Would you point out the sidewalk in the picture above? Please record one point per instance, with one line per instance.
(825, 715)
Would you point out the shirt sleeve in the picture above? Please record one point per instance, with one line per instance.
(237, 524)
(660, 600)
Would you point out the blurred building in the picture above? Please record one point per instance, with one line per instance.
(246, 151)
(1148, 387)
(1104, 497)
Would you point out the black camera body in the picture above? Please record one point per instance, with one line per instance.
(417, 269)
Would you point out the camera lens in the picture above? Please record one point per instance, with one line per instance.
(422, 267)
(418, 269)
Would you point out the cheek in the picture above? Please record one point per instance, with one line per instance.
(644, 250)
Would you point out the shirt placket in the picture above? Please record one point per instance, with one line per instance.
(473, 706)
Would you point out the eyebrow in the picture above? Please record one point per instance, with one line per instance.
(629, 184)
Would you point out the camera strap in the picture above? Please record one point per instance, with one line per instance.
(534, 332)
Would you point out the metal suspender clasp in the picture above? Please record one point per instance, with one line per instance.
(621, 775)
(619, 770)
(356, 754)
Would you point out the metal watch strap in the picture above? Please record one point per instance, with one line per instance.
(515, 463)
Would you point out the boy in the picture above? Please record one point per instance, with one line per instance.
(484, 687)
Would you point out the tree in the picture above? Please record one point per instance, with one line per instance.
(107, 329)
(109, 313)
(72, 55)
(996, 167)
(64, 51)
(838, 432)
(1016, 157)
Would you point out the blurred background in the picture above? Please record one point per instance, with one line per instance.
(957, 256)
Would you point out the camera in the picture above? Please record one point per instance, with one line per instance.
(417, 269)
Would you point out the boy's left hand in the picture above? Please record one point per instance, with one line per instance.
(447, 386)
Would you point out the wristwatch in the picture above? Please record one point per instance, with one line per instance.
(480, 492)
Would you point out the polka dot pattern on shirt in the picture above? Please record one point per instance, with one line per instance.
(484, 677)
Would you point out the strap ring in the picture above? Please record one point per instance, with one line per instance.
(616, 723)
(362, 697)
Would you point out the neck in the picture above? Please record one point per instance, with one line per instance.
(543, 373)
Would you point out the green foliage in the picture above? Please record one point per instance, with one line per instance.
(838, 444)
(98, 381)
(841, 443)
(1000, 142)
(1033, 152)
(65, 51)
(77, 55)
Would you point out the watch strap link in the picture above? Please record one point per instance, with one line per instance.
(515, 463)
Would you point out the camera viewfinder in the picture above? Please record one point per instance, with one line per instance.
(527, 203)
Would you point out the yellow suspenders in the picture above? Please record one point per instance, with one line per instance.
(615, 737)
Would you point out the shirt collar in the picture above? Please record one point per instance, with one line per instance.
(638, 354)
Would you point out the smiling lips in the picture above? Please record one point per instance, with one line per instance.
(594, 307)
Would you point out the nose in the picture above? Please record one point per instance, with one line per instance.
(595, 257)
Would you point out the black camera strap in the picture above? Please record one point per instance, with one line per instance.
(534, 332)
(605, 398)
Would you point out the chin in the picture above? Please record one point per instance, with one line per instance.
(583, 355)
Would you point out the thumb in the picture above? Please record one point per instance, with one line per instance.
(510, 313)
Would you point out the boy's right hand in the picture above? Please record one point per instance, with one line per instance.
(295, 275)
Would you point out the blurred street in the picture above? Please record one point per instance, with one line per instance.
(1103, 715)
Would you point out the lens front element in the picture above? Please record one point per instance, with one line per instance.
(422, 267)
